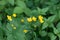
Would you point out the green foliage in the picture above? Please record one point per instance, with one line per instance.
(11, 2)
(29, 19)
(18, 10)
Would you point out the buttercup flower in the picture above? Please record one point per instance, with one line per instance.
(29, 19)
(34, 18)
(25, 31)
(40, 19)
(9, 18)
(14, 15)
(22, 20)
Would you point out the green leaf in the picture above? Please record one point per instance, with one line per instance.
(54, 1)
(18, 10)
(45, 25)
(9, 27)
(43, 33)
(20, 4)
(10, 37)
(51, 19)
(52, 36)
(2, 3)
(58, 26)
(0, 23)
(42, 11)
(34, 12)
(0, 17)
(59, 14)
(27, 12)
(11, 2)
(55, 30)
(48, 21)
(1, 35)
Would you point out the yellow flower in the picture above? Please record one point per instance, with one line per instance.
(25, 31)
(22, 20)
(9, 18)
(14, 15)
(40, 19)
(29, 19)
(34, 18)
(14, 28)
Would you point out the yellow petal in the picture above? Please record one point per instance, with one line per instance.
(29, 19)
(34, 18)
(14, 15)
(40, 17)
(25, 31)
(9, 18)
(41, 21)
